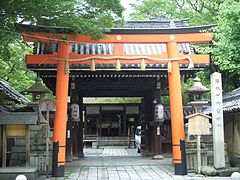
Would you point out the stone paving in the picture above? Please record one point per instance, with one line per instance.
(114, 152)
(111, 163)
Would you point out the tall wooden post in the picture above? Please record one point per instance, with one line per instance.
(146, 133)
(157, 145)
(60, 118)
(176, 109)
(124, 122)
(80, 129)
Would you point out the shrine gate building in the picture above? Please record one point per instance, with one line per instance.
(144, 59)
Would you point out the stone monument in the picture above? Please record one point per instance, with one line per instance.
(217, 121)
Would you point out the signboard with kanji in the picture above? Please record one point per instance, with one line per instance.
(198, 124)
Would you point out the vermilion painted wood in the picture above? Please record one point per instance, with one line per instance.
(176, 107)
(123, 38)
(49, 59)
(60, 117)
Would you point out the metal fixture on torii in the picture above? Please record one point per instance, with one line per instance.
(118, 37)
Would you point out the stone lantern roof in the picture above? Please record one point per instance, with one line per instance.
(197, 87)
(38, 87)
(196, 92)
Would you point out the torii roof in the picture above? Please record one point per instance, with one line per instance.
(131, 27)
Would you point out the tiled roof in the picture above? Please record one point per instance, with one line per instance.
(12, 93)
(132, 27)
(156, 24)
(231, 102)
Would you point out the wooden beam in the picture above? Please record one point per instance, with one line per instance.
(123, 38)
(75, 59)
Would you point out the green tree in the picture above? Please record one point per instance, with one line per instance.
(155, 9)
(86, 17)
(198, 11)
(13, 67)
(226, 51)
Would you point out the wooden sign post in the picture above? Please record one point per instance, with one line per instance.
(198, 124)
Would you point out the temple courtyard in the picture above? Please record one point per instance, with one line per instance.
(115, 163)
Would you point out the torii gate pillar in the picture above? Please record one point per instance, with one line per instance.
(176, 109)
(60, 118)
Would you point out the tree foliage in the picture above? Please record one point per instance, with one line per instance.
(87, 17)
(204, 12)
(155, 9)
(226, 49)
(13, 67)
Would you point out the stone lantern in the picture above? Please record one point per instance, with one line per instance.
(198, 125)
(196, 92)
(38, 90)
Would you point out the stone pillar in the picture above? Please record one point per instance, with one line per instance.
(217, 119)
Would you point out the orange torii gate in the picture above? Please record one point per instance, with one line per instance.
(173, 58)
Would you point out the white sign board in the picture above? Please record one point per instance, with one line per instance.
(217, 119)
(198, 125)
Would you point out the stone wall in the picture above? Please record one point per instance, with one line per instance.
(37, 149)
(232, 137)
